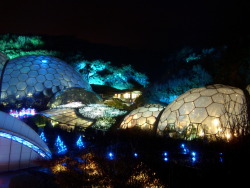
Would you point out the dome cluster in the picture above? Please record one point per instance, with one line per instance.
(34, 79)
(215, 111)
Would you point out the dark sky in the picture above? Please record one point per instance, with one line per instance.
(146, 24)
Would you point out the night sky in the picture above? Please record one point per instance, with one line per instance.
(149, 24)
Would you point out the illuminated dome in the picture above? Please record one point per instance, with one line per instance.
(19, 144)
(74, 94)
(32, 80)
(142, 117)
(213, 111)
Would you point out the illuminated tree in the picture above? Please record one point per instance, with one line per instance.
(16, 45)
(43, 137)
(79, 143)
(61, 147)
(103, 73)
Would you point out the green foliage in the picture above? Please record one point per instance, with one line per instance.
(104, 123)
(14, 46)
(103, 73)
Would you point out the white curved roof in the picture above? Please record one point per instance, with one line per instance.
(15, 127)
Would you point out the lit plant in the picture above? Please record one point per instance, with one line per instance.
(60, 146)
(104, 123)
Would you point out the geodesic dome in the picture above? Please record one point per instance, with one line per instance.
(142, 117)
(74, 94)
(213, 111)
(34, 79)
(19, 144)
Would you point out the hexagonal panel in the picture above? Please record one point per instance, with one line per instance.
(192, 97)
(48, 84)
(24, 70)
(21, 86)
(31, 81)
(225, 90)
(198, 115)
(203, 101)
(186, 108)
(137, 115)
(177, 104)
(13, 81)
(147, 114)
(33, 74)
(219, 98)
(208, 92)
(22, 77)
(216, 110)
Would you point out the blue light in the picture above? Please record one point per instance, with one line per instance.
(135, 154)
(61, 148)
(165, 159)
(110, 155)
(80, 143)
(185, 151)
(193, 159)
(26, 143)
(42, 136)
(183, 146)
(221, 159)
(165, 154)
(44, 61)
(193, 154)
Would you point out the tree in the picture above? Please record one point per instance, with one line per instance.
(42, 136)
(79, 143)
(61, 148)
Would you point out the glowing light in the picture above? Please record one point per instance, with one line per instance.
(79, 143)
(110, 155)
(183, 146)
(44, 61)
(216, 122)
(61, 148)
(135, 154)
(193, 159)
(228, 135)
(26, 143)
(165, 159)
(100, 110)
(126, 95)
(165, 154)
(23, 113)
(71, 105)
(193, 154)
(221, 157)
(42, 136)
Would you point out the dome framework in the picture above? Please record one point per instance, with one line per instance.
(32, 80)
(215, 111)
